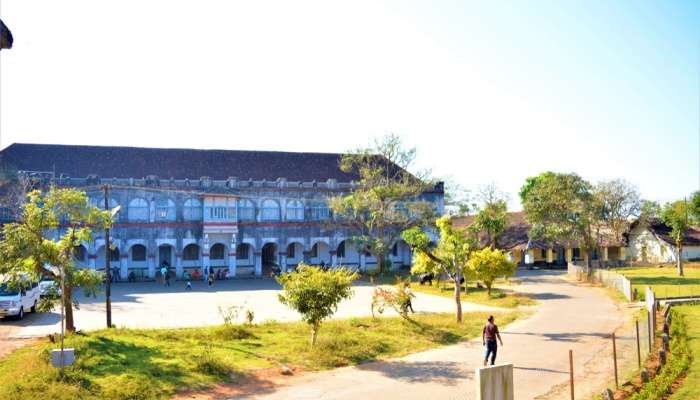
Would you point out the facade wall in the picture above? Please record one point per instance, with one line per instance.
(644, 246)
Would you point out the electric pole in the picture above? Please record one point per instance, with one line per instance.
(108, 270)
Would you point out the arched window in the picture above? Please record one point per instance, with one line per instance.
(319, 212)
(246, 210)
(243, 251)
(341, 249)
(191, 252)
(295, 210)
(138, 210)
(217, 252)
(192, 210)
(138, 252)
(165, 210)
(79, 253)
(99, 202)
(270, 210)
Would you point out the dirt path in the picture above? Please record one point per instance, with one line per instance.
(569, 317)
(8, 343)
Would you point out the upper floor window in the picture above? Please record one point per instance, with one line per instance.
(270, 211)
(295, 210)
(165, 210)
(246, 210)
(138, 210)
(192, 210)
(319, 211)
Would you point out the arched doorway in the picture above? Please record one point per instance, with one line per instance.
(165, 255)
(269, 258)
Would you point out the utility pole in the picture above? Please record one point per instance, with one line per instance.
(108, 270)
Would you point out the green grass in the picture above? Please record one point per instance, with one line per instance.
(500, 297)
(665, 280)
(156, 363)
(690, 389)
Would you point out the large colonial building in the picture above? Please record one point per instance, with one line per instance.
(242, 211)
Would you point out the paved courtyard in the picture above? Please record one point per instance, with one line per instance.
(150, 305)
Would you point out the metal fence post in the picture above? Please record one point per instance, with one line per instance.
(639, 353)
(571, 373)
(617, 385)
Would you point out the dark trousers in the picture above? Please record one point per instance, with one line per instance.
(491, 350)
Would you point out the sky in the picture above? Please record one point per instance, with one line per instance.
(489, 92)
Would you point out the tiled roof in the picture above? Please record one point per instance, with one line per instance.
(663, 231)
(137, 162)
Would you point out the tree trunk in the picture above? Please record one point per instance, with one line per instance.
(589, 261)
(314, 333)
(458, 297)
(68, 304)
(380, 263)
(488, 288)
(679, 260)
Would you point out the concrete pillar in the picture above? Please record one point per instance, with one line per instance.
(205, 257)
(623, 253)
(550, 255)
(283, 261)
(152, 266)
(569, 254)
(232, 263)
(605, 254)
(92, 259)
(584, 254)
(334, 258)
(258, 263)
(178, 265)
(530, 257)
(363, 262)
(124, 265)
(307, 256)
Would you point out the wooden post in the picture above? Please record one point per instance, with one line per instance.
(617, 385)
(571, 373)
(649, 330)
(108, 267)
(639, 353)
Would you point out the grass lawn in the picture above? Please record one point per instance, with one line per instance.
(690, 389)
(156, 363)
(500, 297)
(665, 280)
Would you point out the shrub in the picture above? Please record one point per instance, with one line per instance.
(207, 363)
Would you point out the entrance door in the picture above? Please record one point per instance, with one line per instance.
(165, 254)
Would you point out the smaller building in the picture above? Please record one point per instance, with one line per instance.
(515, 240)
(652, 243)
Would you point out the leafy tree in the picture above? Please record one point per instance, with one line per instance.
(457, 199)
(387, 198)
(620, 202)
(449, 255)
(488, 264)
(43, 243)
(695, 207)
(530, 182)
(315, 293)
(562, 207)
(649, 211)
(490, 218)
(675, 215)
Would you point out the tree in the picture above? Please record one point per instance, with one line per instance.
(675, 215)
(315, 293)
(449, 255)
(695, 207)
(43, 243)
(562, 207)
(387, 198)
(530, 182)
(490, 218)
(488, 264)
(649, 211)
(457, 199)
(620, 202)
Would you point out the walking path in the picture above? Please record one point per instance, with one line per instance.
(569, 317)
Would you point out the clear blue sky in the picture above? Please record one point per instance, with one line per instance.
(489, 92)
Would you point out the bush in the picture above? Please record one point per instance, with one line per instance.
(207, 363)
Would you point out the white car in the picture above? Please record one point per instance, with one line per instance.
(46, 285)
(15, 302)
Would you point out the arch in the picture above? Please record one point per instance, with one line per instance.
(138, 209)
(99, 202)
(217, 252)
(347, 253)
(295, 210)
(190, 252)
(165, 210)
(138, 253)
(192, 210)
(320, 253)
(319, 211)
(246, 210)
(80, 253)
(401, 253)
(165, 255)
(295, 253)
(244, 254)
(270, 257)
(100, 257)
(270, 210)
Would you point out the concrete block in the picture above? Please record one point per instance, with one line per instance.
(495, 382)
(68, 357)
(645, 375)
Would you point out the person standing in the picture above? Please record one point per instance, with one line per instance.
(488, 338)
(164, 274)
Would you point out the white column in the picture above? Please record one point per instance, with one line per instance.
(92, 258)
(605, 254)
(550, 255)
(258, 263)
(363, 262)
(151, 266)
(178, 265)
(569, 254)
(623, 254)
(530, 257)
(124, 265)
(232, 261)
(334, 259)
(205, 256)
(283, 262)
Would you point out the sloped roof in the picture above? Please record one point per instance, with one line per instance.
(137, 162)
(663, 232)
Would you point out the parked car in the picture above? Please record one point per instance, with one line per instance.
(48, 285)
(16, 301)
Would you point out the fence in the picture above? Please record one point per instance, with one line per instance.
(605, 277)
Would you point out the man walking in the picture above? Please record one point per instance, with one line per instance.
(488, 337)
